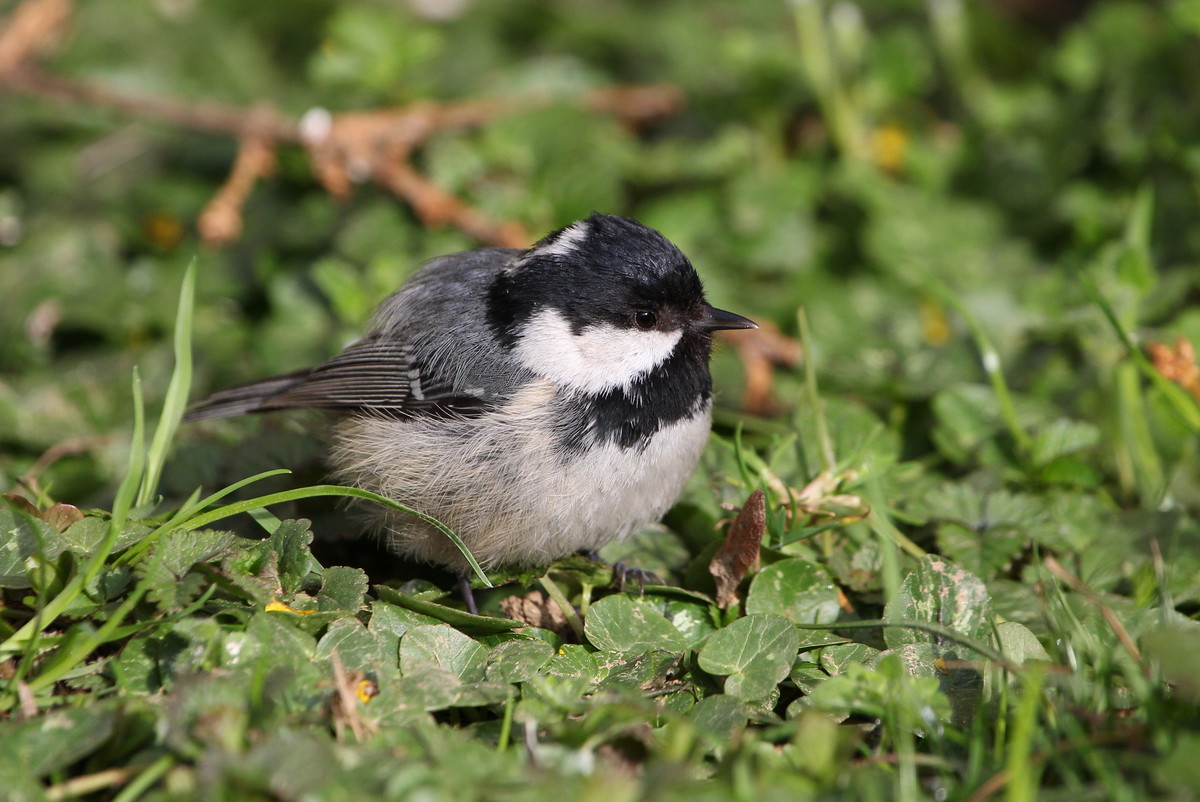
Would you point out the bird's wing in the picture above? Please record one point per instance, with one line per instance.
(374, 375)
(427, 355)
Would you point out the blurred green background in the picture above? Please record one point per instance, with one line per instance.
(871, 162)
(986, 212)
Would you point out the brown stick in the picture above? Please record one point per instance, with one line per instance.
(198, 116)
(221, 221)
(344, 148)
(436, 207)
(32, 30)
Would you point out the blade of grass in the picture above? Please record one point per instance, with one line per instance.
(27, 635)
(1138, 456)
(141, 784)
(568, 610)
(89, 642)
(989, 357)
(940, 631)
(1183, 404)
(188, 510)
(891, 539)
(315, 491)
(820, 65)
(828, 458)
(266, 519)
(177, 391)
(1022, 771)
(743, 456)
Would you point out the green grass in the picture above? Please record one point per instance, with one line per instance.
(941, 691)
(980, 571)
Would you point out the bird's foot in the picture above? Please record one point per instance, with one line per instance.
(623, 573)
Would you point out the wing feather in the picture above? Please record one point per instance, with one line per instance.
(371, 375)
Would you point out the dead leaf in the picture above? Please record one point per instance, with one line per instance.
(346, 697)
(538, 610)
(739, 553)
(61, 516)
(22, 504)
(1177, 364)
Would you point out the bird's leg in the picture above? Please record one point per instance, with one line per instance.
(468, 595)
(622, 572)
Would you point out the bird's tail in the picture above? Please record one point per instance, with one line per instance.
(254, 397)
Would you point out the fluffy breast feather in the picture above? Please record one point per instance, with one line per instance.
(503, 486)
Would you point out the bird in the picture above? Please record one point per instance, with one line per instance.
(538, 402)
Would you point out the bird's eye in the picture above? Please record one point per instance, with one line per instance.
(645, 320)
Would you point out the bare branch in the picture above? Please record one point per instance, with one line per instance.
(33, 29)
(221, 221)
(344, 149)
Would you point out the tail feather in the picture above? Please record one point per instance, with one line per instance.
(253, 397)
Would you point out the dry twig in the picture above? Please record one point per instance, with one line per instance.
(32, 29)
(221, 221)
(344, 149)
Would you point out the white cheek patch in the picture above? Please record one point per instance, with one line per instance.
(598, 359)
(567, 242)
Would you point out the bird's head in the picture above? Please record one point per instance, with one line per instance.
(600, 303)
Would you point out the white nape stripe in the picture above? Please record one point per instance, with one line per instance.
(599, 358)
(570, 239)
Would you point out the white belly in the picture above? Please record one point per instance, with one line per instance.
(503, 485)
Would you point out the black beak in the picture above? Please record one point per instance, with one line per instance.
(716, 319)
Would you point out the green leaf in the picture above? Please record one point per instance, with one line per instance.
(887, 692)
(433, 689)
(182, 549)
(968, 418)
(1061, 438)
(357, 648)
(54, 740)
(719, 718)
(342, 588)
(634, 671)
(1018, 643)
(572, 672)
(692, 619)
(574, 661)
(835, 659)
(22, 536)
(291, 541)
(517, 660)
(984, 531)
(797, 589)
(807, 676)
(445, 648)
(394, 620)
(939, 592)
(755, 652)
(84, 537)
(618, 624)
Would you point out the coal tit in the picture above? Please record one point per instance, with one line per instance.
(538, 402)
